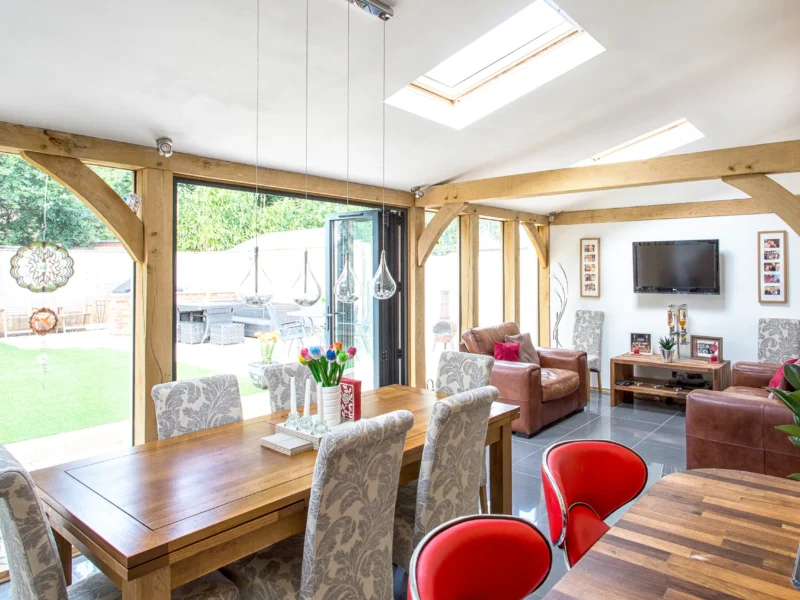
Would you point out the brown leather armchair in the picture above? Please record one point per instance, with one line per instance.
(735, 428)
(545, 392)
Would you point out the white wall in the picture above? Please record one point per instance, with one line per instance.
(733, 315)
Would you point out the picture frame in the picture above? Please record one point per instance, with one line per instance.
(643, 341)
(702, 347)
(590, 267)
(773, 267)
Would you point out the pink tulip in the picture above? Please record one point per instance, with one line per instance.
(305, 354)
(351, 352)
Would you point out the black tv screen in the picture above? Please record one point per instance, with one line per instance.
(680, 267)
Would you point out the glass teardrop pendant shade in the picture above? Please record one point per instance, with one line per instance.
(306, 291)
(346, 284)
(383, 284)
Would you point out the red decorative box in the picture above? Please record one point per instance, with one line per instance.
(351, 399)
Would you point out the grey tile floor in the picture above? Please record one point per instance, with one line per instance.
(655, 430)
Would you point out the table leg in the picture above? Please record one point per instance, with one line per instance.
(153, 586)
(500, 472)
(65, 555)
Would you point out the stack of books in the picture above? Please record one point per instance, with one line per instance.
(286, 444)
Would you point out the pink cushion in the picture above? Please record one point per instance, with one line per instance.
(777, 379)
(509, 352)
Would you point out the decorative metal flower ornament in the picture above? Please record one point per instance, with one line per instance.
(43, 321)
(42, 266)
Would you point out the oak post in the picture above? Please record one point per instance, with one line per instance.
(511, 275)
(544, 292)
(470, 275)
(416, 300)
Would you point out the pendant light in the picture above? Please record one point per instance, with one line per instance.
(346, 285)
(383, 284)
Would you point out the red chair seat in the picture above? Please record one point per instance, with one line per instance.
(585, 528)
(462, 559)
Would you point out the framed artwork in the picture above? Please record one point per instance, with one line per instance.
(773, 269)
(642, 342)
(706, 346)
(590, 267)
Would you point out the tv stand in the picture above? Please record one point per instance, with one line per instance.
(622, 368)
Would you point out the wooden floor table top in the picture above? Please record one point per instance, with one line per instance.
(707, 533)
(143, 503)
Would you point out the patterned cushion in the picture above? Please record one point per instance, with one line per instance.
(778, 340)
(449, 475)
(279, 378)
(461, 371)
(347, 549)
(196, 404)
(587, 335)
(32, 555)
(213, 586)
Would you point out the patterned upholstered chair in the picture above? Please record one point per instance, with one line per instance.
(196, 404)
(346, 551)
(778, 340)
(278, 379)
(449, 475)
(459, 372)
(33, 560)
(588, 336)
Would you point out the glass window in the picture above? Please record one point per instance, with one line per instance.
(69, 394)
(442, 298)
(490, 273)
(528, 287)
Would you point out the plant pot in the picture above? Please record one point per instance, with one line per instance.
(257, 373)
(667, 355)
(332, 405)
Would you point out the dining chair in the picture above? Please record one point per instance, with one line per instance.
(33, 561)
(587, 335)
(778, 340)
(584, 482)
(449, 475)
(278, 379)
(195, 404)
(462, 559)
(346, 550)
(459, 372)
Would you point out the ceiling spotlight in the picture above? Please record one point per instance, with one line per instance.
(374, 7)
(418, 192)
(164, 146)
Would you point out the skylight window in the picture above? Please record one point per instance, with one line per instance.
(531, 48)
(651, 144)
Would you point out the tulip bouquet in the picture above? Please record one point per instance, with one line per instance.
(327, 366)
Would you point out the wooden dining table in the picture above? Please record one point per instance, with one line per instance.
(707, 533)
(155, 516)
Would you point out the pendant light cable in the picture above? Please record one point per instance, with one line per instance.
(307, 25)
(258, 98)
(347, 190)
(383, 142)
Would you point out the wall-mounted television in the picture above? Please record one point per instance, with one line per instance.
(679, 267)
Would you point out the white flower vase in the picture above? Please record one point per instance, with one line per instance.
(332, 405)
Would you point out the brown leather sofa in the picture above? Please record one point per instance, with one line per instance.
(735, 428)
(544, 393)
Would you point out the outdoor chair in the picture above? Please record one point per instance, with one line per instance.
(291, 329)
(74, 317)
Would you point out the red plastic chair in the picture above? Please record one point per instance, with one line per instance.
(584, 482)
(461, 559)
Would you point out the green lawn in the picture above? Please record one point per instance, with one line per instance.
(84, 388)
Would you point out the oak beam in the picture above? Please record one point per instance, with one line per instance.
(155, 300)
(544, 291)
(770, 194)
(434, 230)
(503, 214)
(779, 157)
(682, 210)
(16, 139)
(511, 281)
(416, 300)
(104, 202)
(539, 242)
(470, 273)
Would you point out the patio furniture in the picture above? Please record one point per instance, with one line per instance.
(16, 319)
(210, 313)
(255, 318)
(74, 317)
(290, 329)
(191, 332)
(193, 405)
(227, 333)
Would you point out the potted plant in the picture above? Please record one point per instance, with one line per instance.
(667, 348)
(256, 370)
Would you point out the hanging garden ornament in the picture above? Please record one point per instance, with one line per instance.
(306, 291)
(383, 285)
(43, 321)
(346, 285)
(134, 201)
(42, 266)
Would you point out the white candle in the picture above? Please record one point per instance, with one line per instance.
(307, 406)
(307, 396)
(320, 407)
(292, 396)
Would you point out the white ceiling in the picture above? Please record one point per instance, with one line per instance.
(134, 71)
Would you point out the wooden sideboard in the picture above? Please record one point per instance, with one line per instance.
(622, 368)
